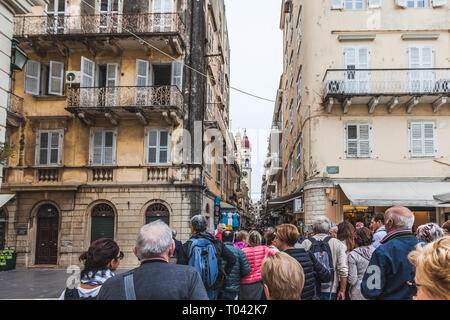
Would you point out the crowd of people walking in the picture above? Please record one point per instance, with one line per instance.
(384, 260)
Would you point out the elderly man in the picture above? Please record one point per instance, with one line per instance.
(155, 279)
(197, 252)
(220, 229)
(389, 268)
(322, 243)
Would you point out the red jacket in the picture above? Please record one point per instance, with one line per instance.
(255, 257)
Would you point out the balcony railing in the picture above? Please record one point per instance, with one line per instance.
(15, 103)
(83, 25)
(387, 82)
(155, 96)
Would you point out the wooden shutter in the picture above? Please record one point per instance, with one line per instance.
(109, 147)
(177, 74)
(54, 143)
(439, 3)
(427, 75)
(56, 78)
(142, 68)
(164, 143)
(87, 73)
(364, 141)
(32, 77)
(43, 148)
(402, 3)
(351, 140)
(416, 139)
(337, 4)
(429, 139)
(112, 70)
(152, 146)
(374, 4)
(97, 148)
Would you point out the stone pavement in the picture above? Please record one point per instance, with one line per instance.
(34, 283)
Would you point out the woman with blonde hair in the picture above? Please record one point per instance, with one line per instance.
(251, 285)
(283, 277)
(241, 239)
(432, 263)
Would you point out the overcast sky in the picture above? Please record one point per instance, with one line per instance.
(256, 66)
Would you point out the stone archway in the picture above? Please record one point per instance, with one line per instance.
(157, 211)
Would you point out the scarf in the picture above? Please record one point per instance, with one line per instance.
(240, 245)
(97, 279)
(396, 234)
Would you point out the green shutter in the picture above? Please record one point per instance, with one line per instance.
(151, 219)
(102, 227)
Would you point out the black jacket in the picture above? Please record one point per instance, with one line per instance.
(315, 272)
(222, 254)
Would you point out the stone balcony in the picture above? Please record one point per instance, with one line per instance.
(392, 88)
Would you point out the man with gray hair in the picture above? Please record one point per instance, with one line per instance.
(389, 269)
(199, 246)
(155, 279)
(321, 245)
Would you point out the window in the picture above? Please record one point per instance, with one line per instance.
(291, 169)
(422, 139)
(421, 57)
(299, 155)
(299, 89)
(291, 115)
(218, 172)
(355, 4)
(49, 147)
(285, 177)
(164, 22)
(291, 70)
(103, 147)
(109, 15)
(208, 157)
(158, 146)
(286, 134)
(210, 99)
(299, 29)
(358, 140)
(357, 57)
(418, 3)
(291, 27)
(56, 16)
(44, 79)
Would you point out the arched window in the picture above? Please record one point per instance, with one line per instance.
(102, 225)
(157, 211)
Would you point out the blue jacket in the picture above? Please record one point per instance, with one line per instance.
(240, 269)
(389, 269)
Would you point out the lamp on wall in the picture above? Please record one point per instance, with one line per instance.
(19, 57)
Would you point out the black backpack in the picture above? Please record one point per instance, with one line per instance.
(322, 252)
(72, 294)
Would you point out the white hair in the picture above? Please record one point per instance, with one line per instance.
(153, 240)
(400, 221)
(322, 225)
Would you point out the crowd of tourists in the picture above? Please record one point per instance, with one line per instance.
(384, 260)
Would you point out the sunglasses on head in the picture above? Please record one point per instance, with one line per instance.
(121, 255)
(412, 286)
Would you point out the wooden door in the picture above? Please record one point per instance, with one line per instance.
(47, 236)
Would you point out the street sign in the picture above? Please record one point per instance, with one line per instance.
(332, 170)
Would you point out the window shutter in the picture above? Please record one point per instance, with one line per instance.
(429, 139)
(168, 6)
(439, 3)
(152, 146)
(87, 73)
(108, 152)
(142, 68)
(352, 140)
(163, 146)
(337, 4)
(97, 141)
(112, 74)
(416, 139)
(364, 141)
(177, 74)
(56, 78)
(374, 4)
(157, 6)
(43, 148)
(54, 148)
(402, 3)
(32, 77)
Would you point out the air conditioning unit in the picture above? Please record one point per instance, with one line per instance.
(73, 77)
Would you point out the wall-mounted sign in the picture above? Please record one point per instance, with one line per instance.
(298, 206)
(332, 170)
(22, 232)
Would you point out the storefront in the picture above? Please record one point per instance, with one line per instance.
(4, 199)
(366, 199)
(229, 216)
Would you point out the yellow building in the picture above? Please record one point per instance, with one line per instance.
(112, 126)
(363, 108)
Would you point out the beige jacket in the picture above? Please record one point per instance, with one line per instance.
(338, 254)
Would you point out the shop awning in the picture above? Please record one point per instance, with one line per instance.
(282, 200)
(387, 194)
(4, 198)
(442, 198)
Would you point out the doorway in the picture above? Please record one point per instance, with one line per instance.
(47, 235)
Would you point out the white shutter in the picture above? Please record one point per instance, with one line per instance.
(43, 148)
(363, 63)
(429, 139)
(337, 4)
(163, 140)
(177, 74)
(32, 77)
(416, 140)
(54, 148)
(402, 3)
(168, 6)
(351, 138)
(108, 147)
(142, 68)
(439, 3)
(157, 6)
(87, 73)
(112, 74)
(97, 148)
(427, 75)
(364, 141)
(152, 142)
(374, 4)
(56, 78)
(414, 76)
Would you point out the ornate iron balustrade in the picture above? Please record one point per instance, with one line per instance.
(349, 82)
(15, 103)
(157, 96)
(148, 23)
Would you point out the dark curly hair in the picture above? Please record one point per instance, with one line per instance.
(363, 237)
(99, 255)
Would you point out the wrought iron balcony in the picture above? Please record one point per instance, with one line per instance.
(390, 87)
(102, 24)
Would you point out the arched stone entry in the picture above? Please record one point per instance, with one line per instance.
(47, 235)
(102, 224)
(157, 211)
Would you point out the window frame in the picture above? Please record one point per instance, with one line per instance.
(92, 147)
(49, 148)
(410, 138)
(158, 146)
(358, 140)
(298, 158)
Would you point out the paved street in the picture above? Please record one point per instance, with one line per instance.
(34, 284)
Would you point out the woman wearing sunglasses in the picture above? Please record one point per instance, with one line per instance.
(432, 263)
(100, 261)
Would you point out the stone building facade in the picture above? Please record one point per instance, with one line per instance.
(113, 132)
